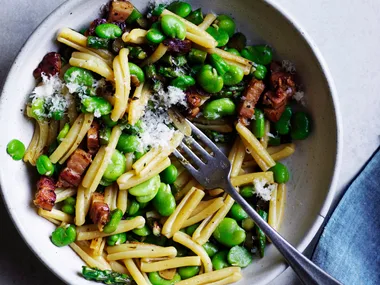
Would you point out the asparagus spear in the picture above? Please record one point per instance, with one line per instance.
(261, 235)
(106, 276)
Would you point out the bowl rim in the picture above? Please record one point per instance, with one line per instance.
(308, 237)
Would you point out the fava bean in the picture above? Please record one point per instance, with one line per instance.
(128, 143)
(173, 27)
(219, 261)
(63, 236)
(188, 271)
(282, 126)
(132, 130)
(169, 175)
(16, 149)
(63, 133)
(229, 233)
(108, 121)
(300, 126)
(114, 221)
(219, 108)
(180, 8)
(146, 188)
(274, 141)
(104, 135)
(68, 209)
(196, 17)
(96, 42)
(70, 201)
(197, 56)
(239, 256)
(248, 224)
(247, 191)
(116, 167)
(221, 36)
(156, 279)
(258, 124)
(133, 208)
(280, 173)
(237, 41)
(233, 51)
(155, 36)
(191, 229)
(183, 82)
(142, 232)
(233, 76)
(108, 31)
(146, 198)
(226, 23)
(210, 248)
(237, 212)
(136, 72)
(38, 109)
(78, 76)
(117, 239)
(260, 72)
(44, 165)
(97, 105)
(219, 64)
(261, 54)
(209, 79)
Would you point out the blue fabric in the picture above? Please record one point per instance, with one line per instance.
(349, 247)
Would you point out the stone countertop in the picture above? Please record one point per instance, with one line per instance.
(347, 34)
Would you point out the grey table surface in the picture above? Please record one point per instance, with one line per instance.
(346, 32)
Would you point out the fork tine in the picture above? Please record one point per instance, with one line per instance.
(202, 136)
(192, 142)
(185, 163)
(192, 155)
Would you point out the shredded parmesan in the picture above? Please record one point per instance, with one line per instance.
(263, 189)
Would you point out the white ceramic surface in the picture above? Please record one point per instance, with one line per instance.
(313, 166)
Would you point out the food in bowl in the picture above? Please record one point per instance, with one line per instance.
(105, 131)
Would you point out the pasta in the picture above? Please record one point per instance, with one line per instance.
(111, 111)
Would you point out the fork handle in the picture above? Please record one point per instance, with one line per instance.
(307, 271)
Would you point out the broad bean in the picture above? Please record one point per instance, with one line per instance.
(237, 212)
(114, 221)
(116, 167)
(97, 105)
(16, 149)
(239, 256)
(300, 126)
(128, 143)
(233, 76)
(280, 173)
(164, 201)
(108, 31)
(196, 17)
(226, 23)
(38, 109)
(44, 165)
(197, 56)
(188, 271)
(260, 54)
(229, 233)
(117, 239)
(260, 72)
(156, 279)
(146, 188)
(169, 175)
(183, 82)
(209, 79)
(282, 126)
(210, 248)
(137, 74)
(180, 8)
(218, 108)
(63, 133)
(219, 64)
(78, 76)
(221, 36)
(63, 236)
(173, 27)
(219, 260)
(258, 124)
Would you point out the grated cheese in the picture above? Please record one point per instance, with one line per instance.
(263, 189)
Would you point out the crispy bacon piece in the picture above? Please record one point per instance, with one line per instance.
(99, 211)
(177, 45)
(71, 176)
(50, 65)
(119, 11)
(195, 99)
(93, 143)
(284, 87)
(251, 96)
(45, 196)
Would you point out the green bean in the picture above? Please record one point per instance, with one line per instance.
(260, 233)
(104, 135)
(239, 256)
(258, 124)
(173, 27)
(221, 36)
(171, 60)
(195, 17)
(116, 167)
(128, 143)
(108, 31)
(183, 82)
(237, 213)
(137, 74)
(282, 126)
(97, 105)
(63, 236)
(219, 64)
(171, 72)
(164, 201)
(280, 173)
(38, 109)
(44, 165)
(219, 108)
(16, 149)
(117, 239)
(63, 133)
(156, 279)
(169, 175)
(180, 8)
(146, 188)
(114, 221)
(233, 76)
(238, 41)
(106, 276)
(300, 126)
(229, 233)
(209, 79)
(210, 248)
(150, 71)
(219, 261)
(226, 23)
(188, 271)
(96, 42)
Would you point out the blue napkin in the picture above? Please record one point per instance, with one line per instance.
(349, 247)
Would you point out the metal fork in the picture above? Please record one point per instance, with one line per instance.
(214, 172)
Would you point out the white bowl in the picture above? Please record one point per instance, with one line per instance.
(314, 166)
